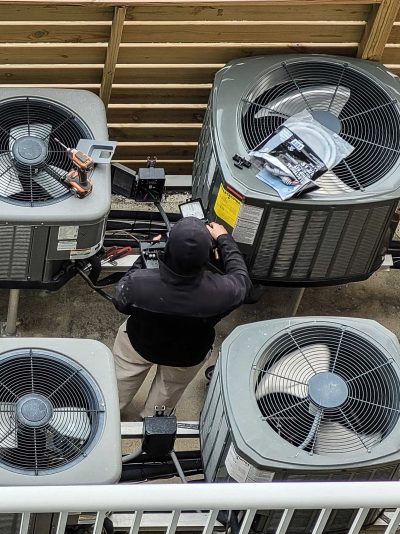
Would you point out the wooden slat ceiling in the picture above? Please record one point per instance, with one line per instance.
(153, 63)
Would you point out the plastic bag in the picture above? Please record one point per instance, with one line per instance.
(301, 149)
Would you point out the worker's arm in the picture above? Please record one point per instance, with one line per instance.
(233, 262)
(123, 298)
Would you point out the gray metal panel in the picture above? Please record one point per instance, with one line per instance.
(309, 246)
(88, 236)
(218, 450)
(209, 427)
(254, 439)
(98, 361)
(38, 252)
(347, 243)
(16, 247)
(322, 244)
(21, 252)
(73, 210)
(7, 241)
(289, 244)
(329, 243)
(9, 523)
(238, 77)
(269, 242)
(373, 229)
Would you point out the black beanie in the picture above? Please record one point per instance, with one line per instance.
(188, 246)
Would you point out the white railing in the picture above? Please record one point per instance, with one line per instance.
(137, 500)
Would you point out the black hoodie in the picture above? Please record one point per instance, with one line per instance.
(174, 308)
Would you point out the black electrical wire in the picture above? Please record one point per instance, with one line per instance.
(145, 215)
(153, 470)
(193, 454)
(163, 215)
(93, 286)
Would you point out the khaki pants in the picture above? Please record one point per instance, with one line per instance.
(168, 384)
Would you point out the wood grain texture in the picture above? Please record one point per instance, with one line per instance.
(164, 150)
(154, 62)
(151, 113)
(56, 32)
(52, 11)
(112, 54)
(379, 30)
(52, 53)
(51, 74)
(155, 132)
(391, 54)
(164, 94)
(243, 31)
(249, 11)
(200, 53)
(113, 3)
(165, 73)
(394, 37)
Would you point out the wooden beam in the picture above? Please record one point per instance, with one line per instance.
(249, 11)
(161, 93)
(242, 31)
(378, 30)
(200, 53)
(67, 31)
(164, 113)
(171, 150)
(112, 54)
(107, 3)
(154, 132)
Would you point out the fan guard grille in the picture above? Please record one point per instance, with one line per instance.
(51, 412)
(299, 399)
(369, 117)
(32, 163)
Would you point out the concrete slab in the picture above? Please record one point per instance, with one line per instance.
(78, 311)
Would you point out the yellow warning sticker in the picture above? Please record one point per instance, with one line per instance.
(227, 206)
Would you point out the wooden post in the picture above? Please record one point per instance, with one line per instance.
(112, 54)
(378, 30)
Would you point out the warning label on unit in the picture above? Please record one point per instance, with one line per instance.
(80, 253)
(241, 471)
(227, 206)
(68, 232)
(66, 245)
(247, 224)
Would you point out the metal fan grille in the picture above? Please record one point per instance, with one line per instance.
(32, 163)
(369, 117)
(51, 412)
(367, 408)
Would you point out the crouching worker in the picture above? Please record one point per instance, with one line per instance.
(173, 311)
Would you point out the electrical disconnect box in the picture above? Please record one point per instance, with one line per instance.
(150, 182)
(147, 185)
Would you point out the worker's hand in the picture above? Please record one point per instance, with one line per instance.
(157, 237)
(216, 230)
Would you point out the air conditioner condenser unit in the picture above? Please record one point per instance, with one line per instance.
(337, 233)
(59, 413)
(43, 226)
(304, 399)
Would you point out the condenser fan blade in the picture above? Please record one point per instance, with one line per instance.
(47, 179)
(8, 428)
(331, 435)
(71, 422)
(9, 182)
(321, 97)
(292, 372)
(42, 131)
(330, 184)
